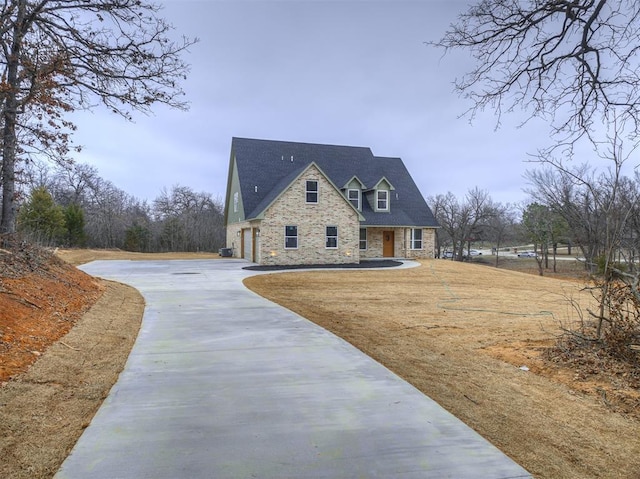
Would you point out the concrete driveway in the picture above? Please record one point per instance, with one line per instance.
(222, 383)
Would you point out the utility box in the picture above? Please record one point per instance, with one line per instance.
(226, 252)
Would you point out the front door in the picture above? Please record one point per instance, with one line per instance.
(387, 244)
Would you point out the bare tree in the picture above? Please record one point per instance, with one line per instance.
(573, 63)
(179, 220)
(462, 222)
(500, 227)
(440, 205)
(189, 221)
(62, 55)
(545, 227)
(106, 208)
(73, 183)
(597, 207)
(576, 65)
(599, 210)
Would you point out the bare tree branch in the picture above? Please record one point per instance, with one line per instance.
(63, 55)
(573, 63)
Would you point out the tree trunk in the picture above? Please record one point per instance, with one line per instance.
(8, 220)
(602, 306)
(545, 252)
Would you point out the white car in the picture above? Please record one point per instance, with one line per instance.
(475, 252)
(528, 254)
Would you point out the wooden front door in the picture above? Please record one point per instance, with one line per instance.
(387, 244)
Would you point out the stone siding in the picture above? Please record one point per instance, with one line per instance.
(290, 209)
(428, 244)
(402, 243)
(332, 209)
(374, 243)
(235, 234)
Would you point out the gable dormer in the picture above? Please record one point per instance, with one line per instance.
(353, 192)
(379, 197)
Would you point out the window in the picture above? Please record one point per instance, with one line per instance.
(312, 191)
(363, 238)
(354, 197)
(290, 237)
(382, 200)
(416, 239)
(235, 202)
(331, 237)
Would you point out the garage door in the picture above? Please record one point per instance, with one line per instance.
(246, 244)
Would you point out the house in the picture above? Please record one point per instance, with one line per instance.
(300, 203)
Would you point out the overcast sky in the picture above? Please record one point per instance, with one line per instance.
(339, 72)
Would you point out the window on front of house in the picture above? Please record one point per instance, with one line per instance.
(416, 239)
(354, 197)
(363, 238)
(235, 202)
(290, 237)
(312, 191)
(331, 237)
(382, 200)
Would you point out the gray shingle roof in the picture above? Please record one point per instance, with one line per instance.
(266, 167)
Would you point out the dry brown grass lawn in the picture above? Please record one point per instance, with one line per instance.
(51, 384)
(459, 333)
(82, 256)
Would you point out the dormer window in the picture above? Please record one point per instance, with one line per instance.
(354, 198)
(312, 191)
(382, 200)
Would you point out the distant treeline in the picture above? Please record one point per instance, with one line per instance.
(72, 206)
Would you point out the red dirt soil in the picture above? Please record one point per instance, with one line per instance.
(41, 298)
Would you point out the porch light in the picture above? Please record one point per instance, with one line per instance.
(272, 253)
(348, 252)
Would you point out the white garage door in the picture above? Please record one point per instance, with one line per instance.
(246, 243)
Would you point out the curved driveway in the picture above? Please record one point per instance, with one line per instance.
(222, 383)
